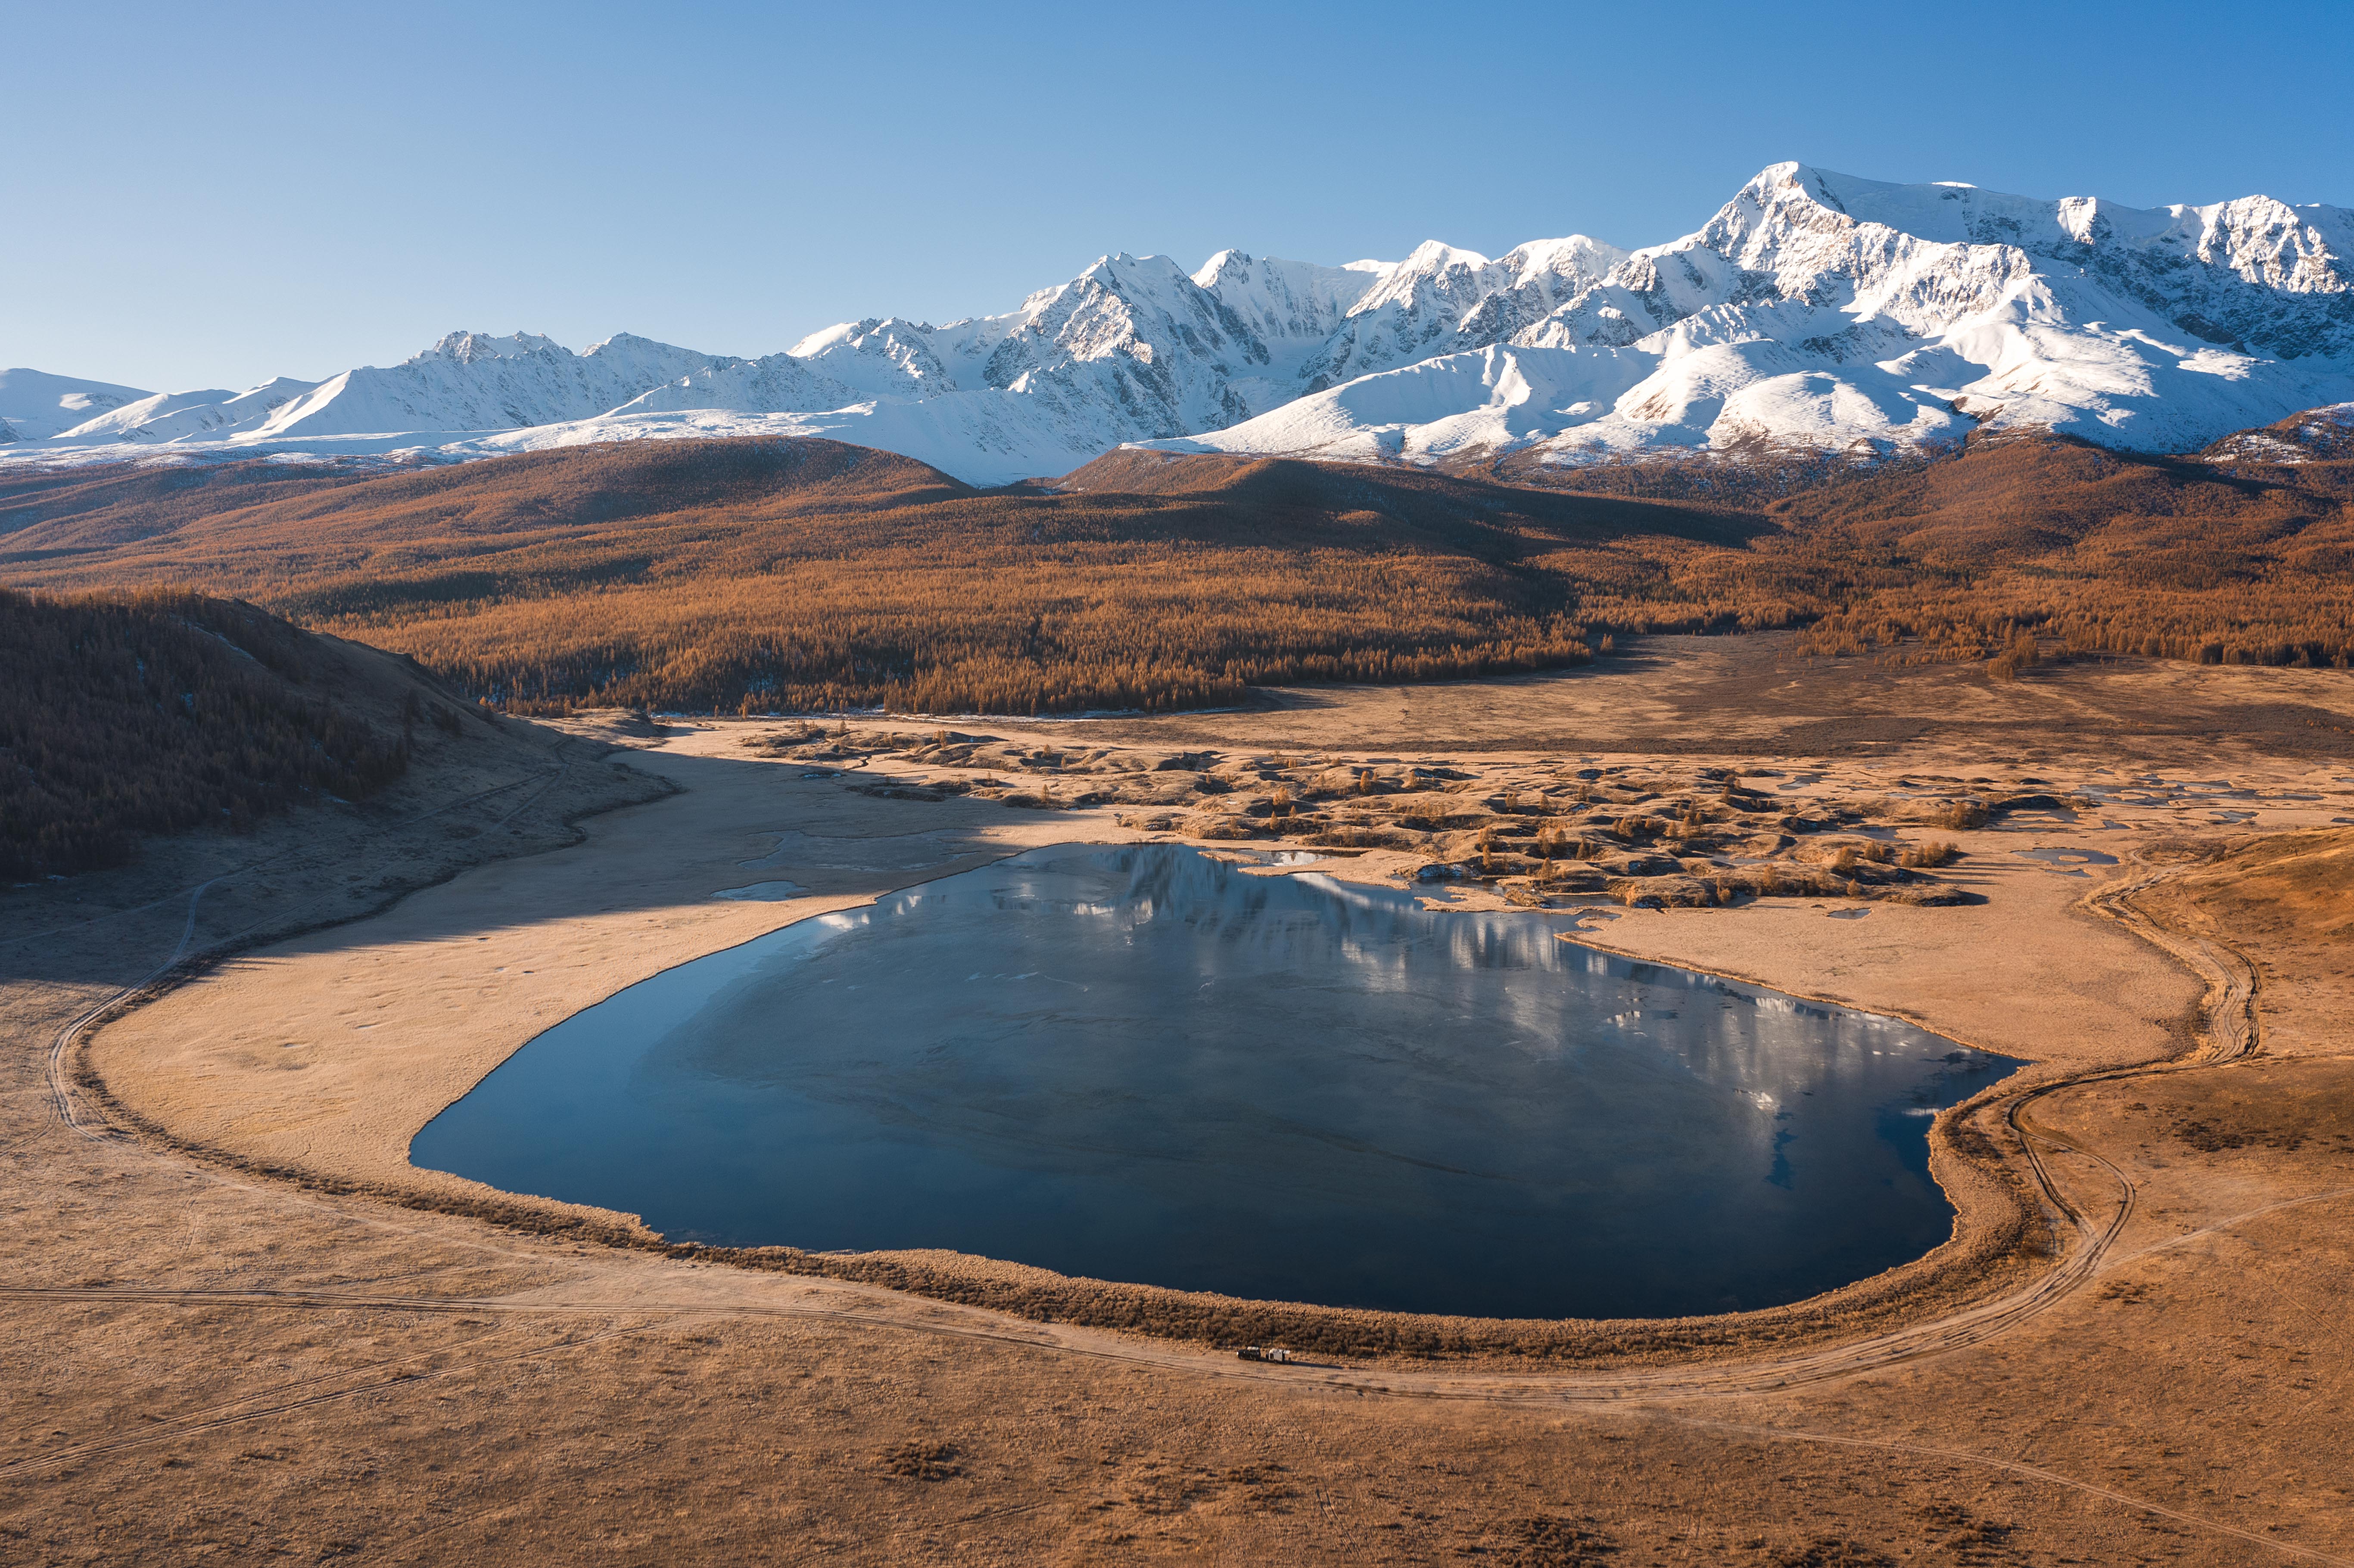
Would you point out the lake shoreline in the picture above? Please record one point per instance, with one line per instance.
(1152, 1064)
(547, 936)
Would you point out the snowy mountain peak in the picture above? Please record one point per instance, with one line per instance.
(1577, 256)
(879, 358)
(1442, 300)
(1290, 306)
(1429, 270)
(1813, 310)
(471, 347)
(1225, 265)
(1823, 310)
(2253, 274)
(1436, 256)
(36, 405)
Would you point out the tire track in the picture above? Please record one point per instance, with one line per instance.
(62, 1099)
(874, 1306)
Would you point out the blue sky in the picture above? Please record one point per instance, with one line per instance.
(208, 196)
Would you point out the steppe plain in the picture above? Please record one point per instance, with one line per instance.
(241, 1328)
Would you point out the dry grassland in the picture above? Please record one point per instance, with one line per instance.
(207, 1362)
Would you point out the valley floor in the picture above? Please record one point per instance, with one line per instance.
(237, 1330)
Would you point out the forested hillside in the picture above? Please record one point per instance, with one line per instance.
(760, 575)
(159, 711)
(808, 574)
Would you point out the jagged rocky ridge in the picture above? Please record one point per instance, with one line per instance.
(1814, 311)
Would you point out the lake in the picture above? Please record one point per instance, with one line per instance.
(1141, 1063)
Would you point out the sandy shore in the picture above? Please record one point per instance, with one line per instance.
(327, 1054)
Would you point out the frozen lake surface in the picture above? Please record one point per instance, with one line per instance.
(1139, 1063)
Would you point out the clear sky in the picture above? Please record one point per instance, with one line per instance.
(210, 194)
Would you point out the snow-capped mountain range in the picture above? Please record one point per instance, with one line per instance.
(1814, 311)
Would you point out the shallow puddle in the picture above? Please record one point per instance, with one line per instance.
(1139, 1063)
(2062, 857)
(763, 892)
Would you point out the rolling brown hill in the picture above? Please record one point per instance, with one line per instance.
(808, 573)
(240, 518)
(2216, 559)
(2243, 553)
(102, 507)
(799, 574)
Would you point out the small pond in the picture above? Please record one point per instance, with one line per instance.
(1139, 1063)
(2065, 859)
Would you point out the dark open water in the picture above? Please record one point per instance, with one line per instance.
(1137, 1062)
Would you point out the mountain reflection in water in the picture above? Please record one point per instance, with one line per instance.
(1139, 1063)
